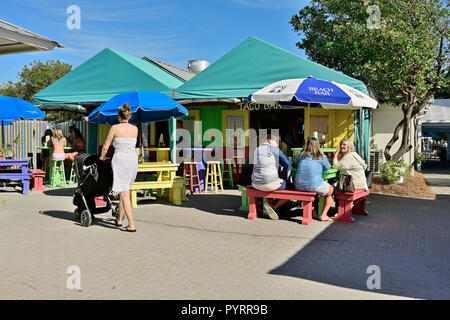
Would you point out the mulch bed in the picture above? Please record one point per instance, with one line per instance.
(412, 187)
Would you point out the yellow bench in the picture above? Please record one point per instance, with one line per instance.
(175, 189)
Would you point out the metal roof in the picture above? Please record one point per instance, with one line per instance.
(180, 73)
(14, 39)
(437, 112)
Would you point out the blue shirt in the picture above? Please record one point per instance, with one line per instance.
(309, 173)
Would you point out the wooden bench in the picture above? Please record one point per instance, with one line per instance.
(176, 189)
(16, 174)
(307, 199)
(345, 202)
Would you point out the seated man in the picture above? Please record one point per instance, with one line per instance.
(265, 177)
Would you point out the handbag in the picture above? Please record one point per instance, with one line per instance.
(345, 183)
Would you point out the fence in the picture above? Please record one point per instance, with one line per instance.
(31, 131)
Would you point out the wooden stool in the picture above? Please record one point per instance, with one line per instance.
(192, 174)
(37, 181)
(72, 177)
(228, 170)
(57, 173)
(212, 172)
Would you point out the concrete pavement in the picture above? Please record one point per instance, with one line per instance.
(206, 249)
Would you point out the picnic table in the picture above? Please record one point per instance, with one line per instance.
(16, 174)
(162, 154)
(164, 178)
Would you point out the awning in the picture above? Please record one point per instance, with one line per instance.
(14, 39)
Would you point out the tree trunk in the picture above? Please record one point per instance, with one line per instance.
(393, 140)
(406, 141)
(408, 113)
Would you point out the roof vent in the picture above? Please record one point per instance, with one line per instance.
(197, 66)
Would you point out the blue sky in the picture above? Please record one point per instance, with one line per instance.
(173, 31)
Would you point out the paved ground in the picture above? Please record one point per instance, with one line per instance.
(437, 176)
(208, 250)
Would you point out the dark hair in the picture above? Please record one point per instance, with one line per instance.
(78, 134)
(48, 132)
(125, 112)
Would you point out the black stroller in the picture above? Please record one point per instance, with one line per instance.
(95, 179)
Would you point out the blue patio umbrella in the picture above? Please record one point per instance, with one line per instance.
(312, 92)
(12, 108)
(146, 106)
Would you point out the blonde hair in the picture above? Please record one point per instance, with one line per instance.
(125, 112)
(58, 135)
(312, 148)
(349, 143)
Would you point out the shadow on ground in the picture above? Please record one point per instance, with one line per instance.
(60, 192)
(406, 238)
(228, 205)
(103, 221)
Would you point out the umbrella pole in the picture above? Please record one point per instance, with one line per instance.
(3, 139)
(309, 120)
(140, 135)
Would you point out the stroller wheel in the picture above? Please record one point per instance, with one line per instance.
(86, 218)
(77, 214)
(115, 212)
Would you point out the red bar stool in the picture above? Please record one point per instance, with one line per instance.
(190, 165)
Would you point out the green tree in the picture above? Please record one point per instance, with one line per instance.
(399, 48)
(35, 77)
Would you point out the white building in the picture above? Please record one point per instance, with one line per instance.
(435, 118)
(384, 121)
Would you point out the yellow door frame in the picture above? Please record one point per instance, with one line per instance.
(235, 113)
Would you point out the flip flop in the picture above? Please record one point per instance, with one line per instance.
(127, 230)
(117, 225)
(328, 220)
(268, 210)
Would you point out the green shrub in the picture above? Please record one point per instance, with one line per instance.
(392, 171)
(419, 158)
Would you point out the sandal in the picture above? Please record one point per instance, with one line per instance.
(116, 223)
(327, 220)
(269, 212)
(127, 229)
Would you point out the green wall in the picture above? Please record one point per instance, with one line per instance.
(211, 117)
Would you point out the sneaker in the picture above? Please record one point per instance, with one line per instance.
(269, 212)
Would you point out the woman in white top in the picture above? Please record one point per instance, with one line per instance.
(124, 163)
(351, 163)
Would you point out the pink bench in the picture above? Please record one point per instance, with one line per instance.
(307, 199)
(345, 208)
